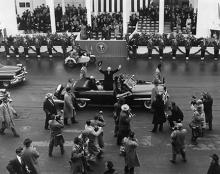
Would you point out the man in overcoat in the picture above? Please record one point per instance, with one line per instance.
(131, 158)
(68, 106)
(30, 157)
(17, 166)
(56, 137)
(108, 77)
(124, 124)
(178, 142)
(49, 108)
(158, 113)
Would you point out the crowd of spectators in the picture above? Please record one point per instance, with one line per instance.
(107, 23)
(39, 19)
(36, 21)
(181, 17)
(72, 19)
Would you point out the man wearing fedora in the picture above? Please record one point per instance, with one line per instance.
(17, 166)
(214, 167)
(30, 157)
(178, 142)
(124, 123)
(49, 108)
(7, 112)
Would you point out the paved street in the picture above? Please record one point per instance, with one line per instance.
(183, 80)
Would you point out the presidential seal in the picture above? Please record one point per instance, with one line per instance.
(101, 47)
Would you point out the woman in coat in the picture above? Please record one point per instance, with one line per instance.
(131, 158)
(159, 114)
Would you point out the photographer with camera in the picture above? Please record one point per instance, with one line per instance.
(124, 123)
(56, 137)
(198, 120)
(49, 108)
(178, 142)
(176, 115)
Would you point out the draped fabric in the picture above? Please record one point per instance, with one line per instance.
(110, 5)
(121, 5)
(99, 5)
(115, 9)
(104, 5)
(132, 5)
(138, 4)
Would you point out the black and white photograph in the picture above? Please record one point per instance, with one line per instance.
(109, 86)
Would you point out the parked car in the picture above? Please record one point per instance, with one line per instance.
(138, 93)
(11, 75)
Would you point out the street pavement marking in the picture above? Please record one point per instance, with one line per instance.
(146, 141)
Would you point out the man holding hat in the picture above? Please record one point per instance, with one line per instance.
(7, 112)
(56, 137)
(108, 77)
(178, 142)
(124, 123)
(17, 166)
(30, 157)
(49, 108)
(214, 167)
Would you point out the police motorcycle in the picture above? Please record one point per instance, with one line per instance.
(79, 56)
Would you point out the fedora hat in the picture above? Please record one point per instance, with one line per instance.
(125, 107)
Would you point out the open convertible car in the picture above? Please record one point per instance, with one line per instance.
(137, 92)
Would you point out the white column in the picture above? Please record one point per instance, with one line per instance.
(113, 6)
(63, 7)
(141, 4)
(126, 15)
(205, 19)
(146, 3)
(118, 6)
(8, 17)
(52, 15)
(107, 5)
(161, 17)
(102, 6)
(89, 10)
(135, 5)
(95, 7)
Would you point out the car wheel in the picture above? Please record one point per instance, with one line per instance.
(6, 84)
(147, 104)
(70, 63)
(92, 59)
(81, 104)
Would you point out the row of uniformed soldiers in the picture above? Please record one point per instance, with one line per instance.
(132, 46)
(37, 44)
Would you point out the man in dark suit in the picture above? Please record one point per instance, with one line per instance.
(108, 77)
(49, 108)
(17, 166)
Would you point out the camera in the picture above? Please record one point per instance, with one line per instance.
(57, 117)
